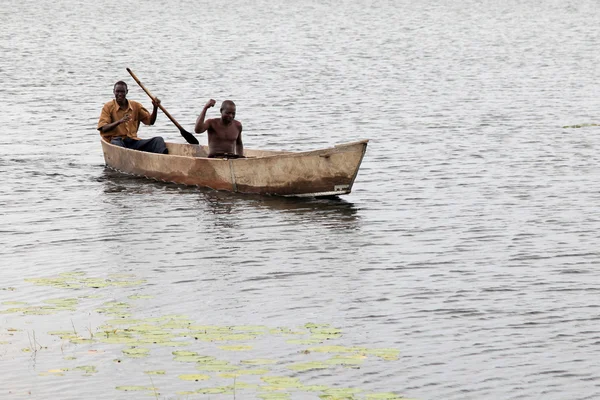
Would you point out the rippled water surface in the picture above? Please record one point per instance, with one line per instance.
(462, 266)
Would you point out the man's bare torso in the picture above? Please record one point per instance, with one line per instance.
(222, 138)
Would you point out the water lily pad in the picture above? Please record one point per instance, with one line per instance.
(384, 354)
(193, 377)
(384, 396)
(258, 361)
(123, 321)
(134, 388)
(346, 360)
(235, 348)
(281, 382)
(136, 352)
(334, 349)
(88, 369)
(119, 340)
(244, 372)
(307, 366)
(215, 365)
(216, 390)
(55, 372)
(273, 396)
(183, 353)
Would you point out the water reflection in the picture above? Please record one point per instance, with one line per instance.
(226, 208)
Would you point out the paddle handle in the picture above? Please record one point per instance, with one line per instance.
(153, 99)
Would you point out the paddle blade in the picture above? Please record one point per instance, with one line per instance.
(188, 137)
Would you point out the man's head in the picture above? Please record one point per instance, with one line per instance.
(120, 91)
(227, 111)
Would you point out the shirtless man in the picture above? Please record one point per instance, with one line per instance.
(224, 134)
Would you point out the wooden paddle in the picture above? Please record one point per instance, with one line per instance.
(186, 135)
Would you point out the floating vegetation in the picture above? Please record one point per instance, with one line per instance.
(160, 372)
(307, 366)
(580, 125)
(139, 297)
(77, 280)
(216, 366)
(340, 394)
(54, 372)
(258, 361)
(273, 396)
(194, 377)
(136, 352)
(236, 348)
(383, 396)
(280, 382)
(135, 388)
(244, 372)
(88, 369)
(139, 337)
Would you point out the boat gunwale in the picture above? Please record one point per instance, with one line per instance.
(283, 153)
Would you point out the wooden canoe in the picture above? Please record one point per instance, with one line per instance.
(325, 172)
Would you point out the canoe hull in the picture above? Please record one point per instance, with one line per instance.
(323, 172)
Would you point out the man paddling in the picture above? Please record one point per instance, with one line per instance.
(120, 120)
(224, 134)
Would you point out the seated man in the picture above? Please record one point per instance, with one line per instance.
(224, 134)
(120, 120)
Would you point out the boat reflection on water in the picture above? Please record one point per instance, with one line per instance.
(334, 212)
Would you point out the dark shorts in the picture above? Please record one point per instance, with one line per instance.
(153, 145)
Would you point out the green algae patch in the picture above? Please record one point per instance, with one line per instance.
(64, 334)
(255, 329)
(334, 349)
(194, 359)
(119, 340)
(307, 366)
(258, 361)
(140, 297)
(244, 372)
(216, 390)
(123, 321)
(159, 372)
(14, 303)
(194, 377)
(273, 396)
(136, 352)
(54, 372)
(280, 382)
(87, 369)
(339, 394)
(315, 388)
(215, 365)
(225, 336)
(580, 125)
(384, 354)
(183, 353)
(135, 388)
(384, 396)
(346, 360)
(235, 348)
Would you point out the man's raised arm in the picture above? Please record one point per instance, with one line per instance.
(201, 125)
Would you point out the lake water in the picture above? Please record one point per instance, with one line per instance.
(464, 264)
